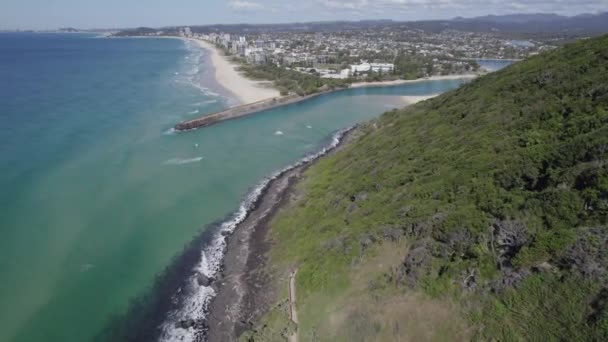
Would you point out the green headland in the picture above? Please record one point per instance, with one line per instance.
(480, 214)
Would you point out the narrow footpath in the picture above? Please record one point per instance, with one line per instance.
(292, 305)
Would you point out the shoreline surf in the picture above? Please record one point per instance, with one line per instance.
(188, 320)
(243, 89)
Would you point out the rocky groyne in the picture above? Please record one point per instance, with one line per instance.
(240, 111)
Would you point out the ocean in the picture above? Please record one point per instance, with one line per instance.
(99, 195)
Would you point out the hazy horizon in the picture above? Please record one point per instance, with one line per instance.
(108, 14)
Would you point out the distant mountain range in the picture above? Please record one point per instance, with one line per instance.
(530, 24)
(517, 18)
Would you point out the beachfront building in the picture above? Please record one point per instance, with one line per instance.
(384, 68)
(375, 67)
(360, 68)
(185, 32)
(344, 74)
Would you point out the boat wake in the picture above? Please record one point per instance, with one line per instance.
(179, 161)
(193, 301)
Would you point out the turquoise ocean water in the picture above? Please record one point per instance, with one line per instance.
(98, 195)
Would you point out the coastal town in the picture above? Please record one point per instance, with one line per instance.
(364, 53)
(346, 54)
(265, 68)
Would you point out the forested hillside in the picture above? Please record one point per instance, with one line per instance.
(480, 214)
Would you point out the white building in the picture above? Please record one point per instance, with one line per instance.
(249, 51)
(383, 67)
(344, 74)
(359, 68)
(185, 32)
(375, 67)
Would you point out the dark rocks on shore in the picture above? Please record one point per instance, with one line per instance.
(185, 324)
(203, 280)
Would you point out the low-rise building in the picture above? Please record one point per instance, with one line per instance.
(382, 67)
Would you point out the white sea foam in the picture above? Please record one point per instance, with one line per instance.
(170, 131)
(196, 303)
(180, 161)
(204, 102)
(193, 112)
(278, 133)
(206, 91)
(308, 126)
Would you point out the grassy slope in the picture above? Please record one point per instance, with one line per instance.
(524, 148)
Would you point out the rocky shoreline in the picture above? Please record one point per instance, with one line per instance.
(245, 291)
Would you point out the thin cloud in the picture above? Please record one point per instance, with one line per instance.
(243, 5)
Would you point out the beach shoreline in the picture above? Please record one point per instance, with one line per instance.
(256, 96)
(280, 101)
(243, 89)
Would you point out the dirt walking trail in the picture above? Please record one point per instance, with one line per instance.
(292, 305)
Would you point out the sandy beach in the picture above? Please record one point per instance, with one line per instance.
(410, 100)
(244, 89)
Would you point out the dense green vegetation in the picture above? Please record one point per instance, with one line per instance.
(411, 66)
(492, 198)
(291, 81)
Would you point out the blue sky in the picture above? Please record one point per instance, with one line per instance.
(48, 14)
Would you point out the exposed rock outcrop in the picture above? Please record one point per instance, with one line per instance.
(203, 280)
